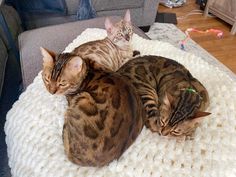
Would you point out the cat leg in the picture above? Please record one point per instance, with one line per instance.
(130, 55)
(165, 108)
(150, 102)
(136, 53)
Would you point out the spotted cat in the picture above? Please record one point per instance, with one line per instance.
(115, 49)
(104, 114)
(174, 100)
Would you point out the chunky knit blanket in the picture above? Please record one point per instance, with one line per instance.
(34, 129)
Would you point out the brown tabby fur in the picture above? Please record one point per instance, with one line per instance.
(112, 51)
(104, 114)
(163, 87)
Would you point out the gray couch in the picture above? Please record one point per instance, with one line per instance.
(7, 58)
(143, 12)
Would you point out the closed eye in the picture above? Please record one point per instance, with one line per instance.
(175, 133)
(119, 35)
(62, 84)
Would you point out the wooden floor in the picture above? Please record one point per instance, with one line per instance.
(224, 49)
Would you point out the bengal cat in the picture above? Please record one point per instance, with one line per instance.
(174, 100)
(115, 49)
(104, 114)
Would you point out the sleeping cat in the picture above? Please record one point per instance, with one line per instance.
(173, 99)
(104, 114)
(112, 51)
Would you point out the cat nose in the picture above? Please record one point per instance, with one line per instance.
(127, 37)
(52, 90)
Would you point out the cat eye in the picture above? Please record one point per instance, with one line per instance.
(175, 133)
(62, 84)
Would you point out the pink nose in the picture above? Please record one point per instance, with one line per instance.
(52, 90)
(127, 37)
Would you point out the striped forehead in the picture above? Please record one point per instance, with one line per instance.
(184, 103)
(61, 61)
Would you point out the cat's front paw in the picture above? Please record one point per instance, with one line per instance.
(136, 53)
(153, 124)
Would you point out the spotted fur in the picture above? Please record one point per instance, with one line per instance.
(110, 53)
(164, 87)
(104, 114)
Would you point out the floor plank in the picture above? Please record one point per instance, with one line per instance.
(224, 49)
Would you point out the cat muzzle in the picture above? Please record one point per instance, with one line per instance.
(52, 90)
(165, 131)
(127, 38)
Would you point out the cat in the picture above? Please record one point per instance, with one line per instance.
(104, 114)
(174, 100)
(113, 51)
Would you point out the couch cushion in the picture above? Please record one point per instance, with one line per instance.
(55, 38)
(101, 5)
(116, 4)
(3, 60)
(34, 130)
(72, 6)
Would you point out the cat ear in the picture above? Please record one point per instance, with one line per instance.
(200, 114)
(108, 25)
(197, 118)
(75, 65)
(48, 56)
(127, 17)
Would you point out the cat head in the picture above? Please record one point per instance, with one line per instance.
(120, 33)
(182, 116)
(63, 73)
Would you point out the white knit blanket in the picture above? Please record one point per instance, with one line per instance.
(34, 129)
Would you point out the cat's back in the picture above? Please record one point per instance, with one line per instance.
(104, 119)
(101, 51)
(93, 47)
(117, 91)
(160, 72)
(151, 68)
(151, 61)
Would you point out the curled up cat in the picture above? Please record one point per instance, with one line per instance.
(175, 101)
(104, 114)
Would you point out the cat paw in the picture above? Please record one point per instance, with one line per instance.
(136, 53)
(153, 124)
